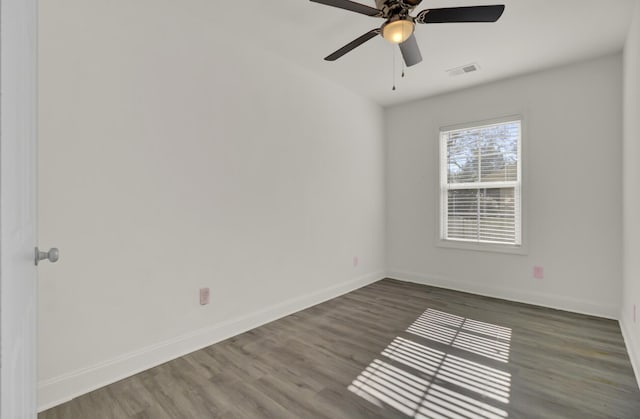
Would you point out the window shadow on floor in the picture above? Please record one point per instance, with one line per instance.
(442, 366)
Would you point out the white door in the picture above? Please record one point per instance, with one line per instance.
(18, 276)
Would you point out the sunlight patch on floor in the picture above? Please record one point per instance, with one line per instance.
(427, 382)
(474, 336)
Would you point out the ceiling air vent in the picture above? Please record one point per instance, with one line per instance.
(469, 68)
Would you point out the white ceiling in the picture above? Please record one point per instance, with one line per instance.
(531, 35)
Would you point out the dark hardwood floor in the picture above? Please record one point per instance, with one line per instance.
(391, 349)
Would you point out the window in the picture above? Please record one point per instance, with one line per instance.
(480, 183)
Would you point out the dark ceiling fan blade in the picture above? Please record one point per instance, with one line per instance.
(353, 44)
(461, 14)
(411, 51)
(351, 6)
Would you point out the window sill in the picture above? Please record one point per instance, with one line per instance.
(482, 247)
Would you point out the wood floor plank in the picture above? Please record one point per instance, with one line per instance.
(390, 350)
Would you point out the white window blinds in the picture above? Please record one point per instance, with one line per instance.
(480, 183)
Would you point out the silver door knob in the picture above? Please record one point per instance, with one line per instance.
(52, 255)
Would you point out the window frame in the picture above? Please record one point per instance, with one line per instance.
(441, 241)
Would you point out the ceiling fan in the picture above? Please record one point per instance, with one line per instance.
(399, 25)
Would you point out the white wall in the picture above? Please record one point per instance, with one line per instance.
(572, 186)
(631, 194)
(171, 161)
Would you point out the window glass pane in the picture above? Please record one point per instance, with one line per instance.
(484, 154)
(499, 153)
(462, 157)
(462, 221)
(497, 215)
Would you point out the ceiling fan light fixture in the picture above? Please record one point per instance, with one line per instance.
(398, 31)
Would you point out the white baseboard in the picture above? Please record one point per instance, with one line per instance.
(57, 390)
(633, 346)
(544, 300)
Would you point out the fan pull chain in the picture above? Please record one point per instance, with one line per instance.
(394, 69)
(403, 69)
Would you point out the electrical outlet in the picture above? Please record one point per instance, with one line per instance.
(204, 296)
(356, 261)
(538, 272)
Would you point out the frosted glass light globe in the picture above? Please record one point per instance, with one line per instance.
(398, 31)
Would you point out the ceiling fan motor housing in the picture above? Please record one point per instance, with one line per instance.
(396, 7)
(380, 4)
